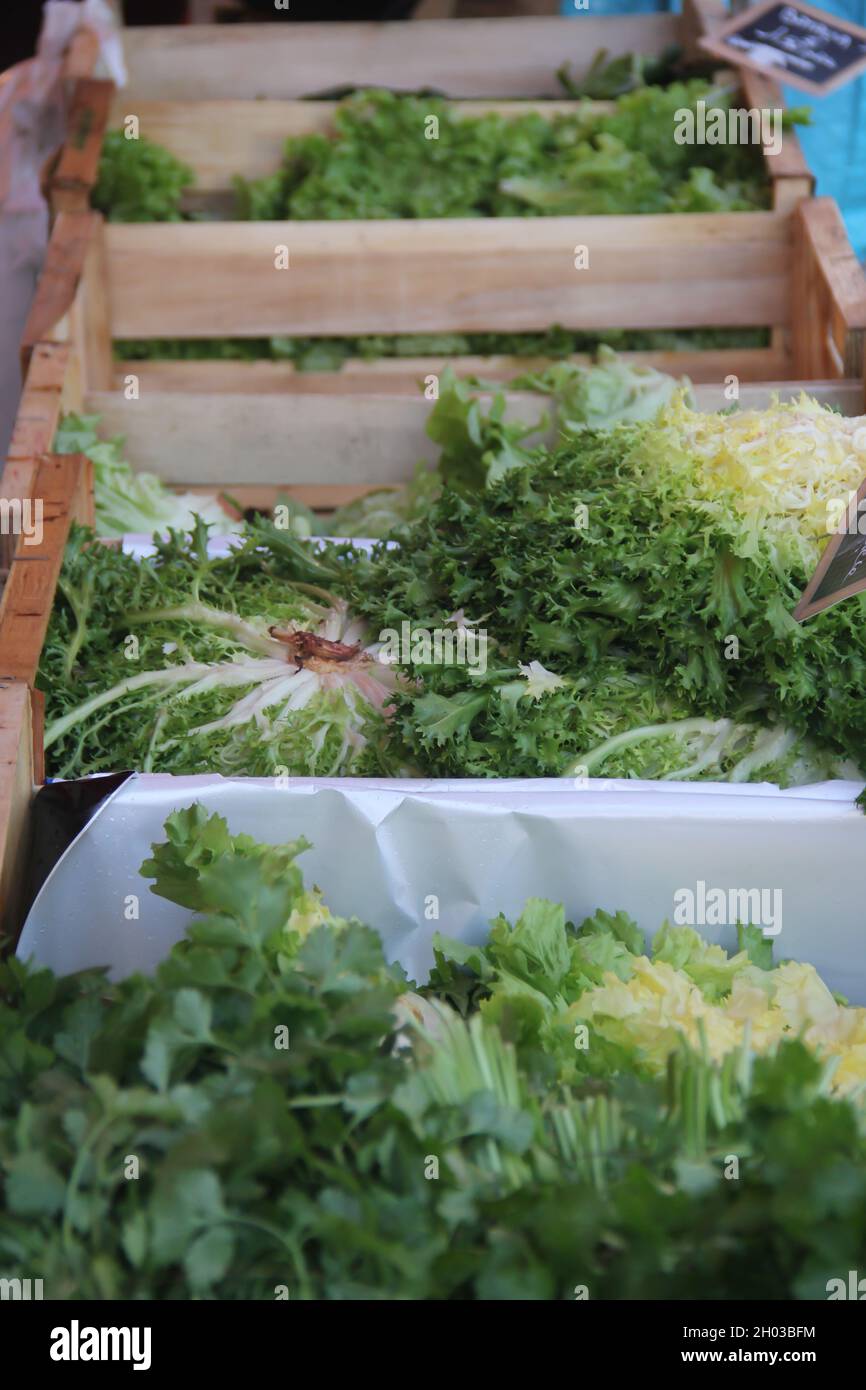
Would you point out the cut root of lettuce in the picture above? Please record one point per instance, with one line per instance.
(256, 713)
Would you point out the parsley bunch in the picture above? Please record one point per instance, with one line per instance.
(273, 1115)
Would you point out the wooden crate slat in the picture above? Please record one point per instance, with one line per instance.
(90, 315)
(49, 375)
(699, 17)
(70, 242)
(49, 367)
(76, 171)
(677, 271)
(228, 439)
(834, 273)
(763, 93)
(18, 774)
(40, 404)
(82, 55)
(848, 396)
(312, 439)
(323, 497)
(64, 484)
(462, 58)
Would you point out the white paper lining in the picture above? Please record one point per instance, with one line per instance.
(390, 852)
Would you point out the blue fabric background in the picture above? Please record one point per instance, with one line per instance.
(835, 143)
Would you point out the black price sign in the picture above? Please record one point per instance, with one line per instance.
(841, 570)
(797, 43)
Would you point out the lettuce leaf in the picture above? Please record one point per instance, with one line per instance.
(132, 502)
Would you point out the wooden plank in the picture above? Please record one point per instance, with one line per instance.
(677, 271)
(322, 497)
(229, 441)
(63, 484)
(434, 9)
(280, 439)
(58, 283)
(460, 58)
(41, 401)
(389, 375)
(37, 719)
(17, 777)
(699, 17)
(220, 139)
(791, 177)
(49, 364)
(90, 315)
(846, 396)
(403, 374)
(76, 171)
(52, 387)
(827, 271)
(788, 193)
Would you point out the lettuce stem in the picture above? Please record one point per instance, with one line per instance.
(172, 675)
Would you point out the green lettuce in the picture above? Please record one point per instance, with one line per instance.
(139, 181)
(171, 664)
(381, 163)
(651, 594)
(128, 501)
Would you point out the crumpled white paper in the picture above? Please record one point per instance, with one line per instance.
(415, 857)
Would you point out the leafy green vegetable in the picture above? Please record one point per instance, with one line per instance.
(541, 977)
(171, 664)
(128, 501)
(607, 78)
(650, 590)
(139, 181)
(378, 513)
(478, 445)
(609, 392)
(635, 597)
(387, 160)
(329, 354)
(303, 1127)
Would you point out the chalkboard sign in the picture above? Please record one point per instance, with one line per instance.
(841, 570)
(797, 43)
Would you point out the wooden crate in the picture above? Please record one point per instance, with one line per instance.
(229, 422)
(261, 430)
(224, 100)
(344, 442)
(323, 449)
(63, 486)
